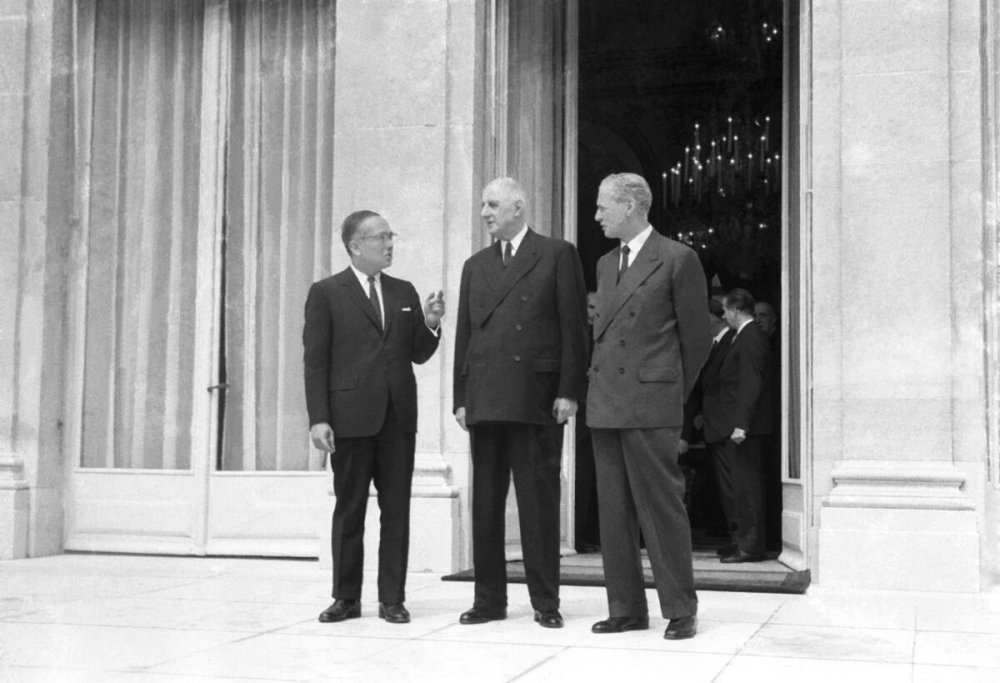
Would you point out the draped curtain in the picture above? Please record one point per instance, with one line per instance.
(141, 70)
(278, 223)
(141, 227)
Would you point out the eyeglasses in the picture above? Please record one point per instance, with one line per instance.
(382, 237)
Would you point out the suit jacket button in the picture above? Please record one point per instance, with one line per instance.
(518, 328)
(517, 358)
(621, 371)
(524, 298)
(621, 342)
(632, 313)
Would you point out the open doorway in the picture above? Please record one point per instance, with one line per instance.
(689, 94)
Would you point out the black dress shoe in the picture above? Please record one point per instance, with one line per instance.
(741, 556)
(393, 612)
(549, 618)
(480, 615)
(726, 550)
(340, 610)
(620, 624)
(681, 628)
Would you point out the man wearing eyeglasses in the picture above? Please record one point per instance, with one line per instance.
(363, 332)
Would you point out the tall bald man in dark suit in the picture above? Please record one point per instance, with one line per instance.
(363, 332)
(651, 339)
(520, 362)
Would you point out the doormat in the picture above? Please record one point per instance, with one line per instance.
(769, 576)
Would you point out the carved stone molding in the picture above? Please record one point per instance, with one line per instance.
(898, 485)
(12, 472)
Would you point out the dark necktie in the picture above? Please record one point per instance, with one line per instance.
(623, 266)
(373, 297)
(508, 254)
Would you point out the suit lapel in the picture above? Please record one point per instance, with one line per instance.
(646, 262)
(524, 260)
(357, 294)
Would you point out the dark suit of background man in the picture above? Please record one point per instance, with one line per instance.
(363, 331)
(651, 338)
(737, 413)
(520, 362)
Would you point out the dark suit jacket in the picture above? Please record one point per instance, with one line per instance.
(651, 335)
(351, 367)
(693, 406)
(520, 339)
(739, 395)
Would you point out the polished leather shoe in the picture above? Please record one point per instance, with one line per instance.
(549, 618)
(480, 615)
(726, 550)
(340, 610)
(741, 556)
(393, 612)
(681, 628)
(620, 624)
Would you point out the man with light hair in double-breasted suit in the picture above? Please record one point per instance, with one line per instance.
(651, 338)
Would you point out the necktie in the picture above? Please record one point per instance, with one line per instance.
(373, 297)
(623, 266)
(508, 254)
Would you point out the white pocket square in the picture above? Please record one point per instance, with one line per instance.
(406, 308)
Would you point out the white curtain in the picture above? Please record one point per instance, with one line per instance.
(278, 223)
(140, 75)
(141, 212)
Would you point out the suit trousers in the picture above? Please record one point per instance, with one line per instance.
(387, 459)
(738, 470)
(533, 454)
(640, 485)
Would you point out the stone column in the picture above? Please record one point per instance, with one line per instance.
(897, 325)
(405, 79)
(33, 246)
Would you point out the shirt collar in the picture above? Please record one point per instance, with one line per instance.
(721, 334)
(515, 241)
(635, 244)
(363, 279)
(743, 324)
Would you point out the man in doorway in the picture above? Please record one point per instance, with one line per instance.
(737, 413)
(363, 331)
(767, 318)
(651, 338)
(520, 361)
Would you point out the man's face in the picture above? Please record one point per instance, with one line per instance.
(371, 246)
(765, 317)
(731, 315)
(501, 213)
(611, 214)
(591, 307)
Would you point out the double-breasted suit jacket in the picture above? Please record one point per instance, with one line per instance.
(520, 343)
(651, 337)
(520, 338)
(352, 367)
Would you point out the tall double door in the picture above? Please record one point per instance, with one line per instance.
(204, 135)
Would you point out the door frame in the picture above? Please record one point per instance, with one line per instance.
(798, 535)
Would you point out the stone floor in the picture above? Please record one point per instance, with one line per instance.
(125, 618)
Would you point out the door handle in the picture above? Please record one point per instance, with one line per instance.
(222, 385)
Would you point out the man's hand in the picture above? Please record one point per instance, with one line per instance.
(434, 309)
(460, 418)
(682, 447)
(322, 436)
(738, 436)
(563, 409)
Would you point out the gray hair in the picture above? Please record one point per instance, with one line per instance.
(512, 188)
(630, 187)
